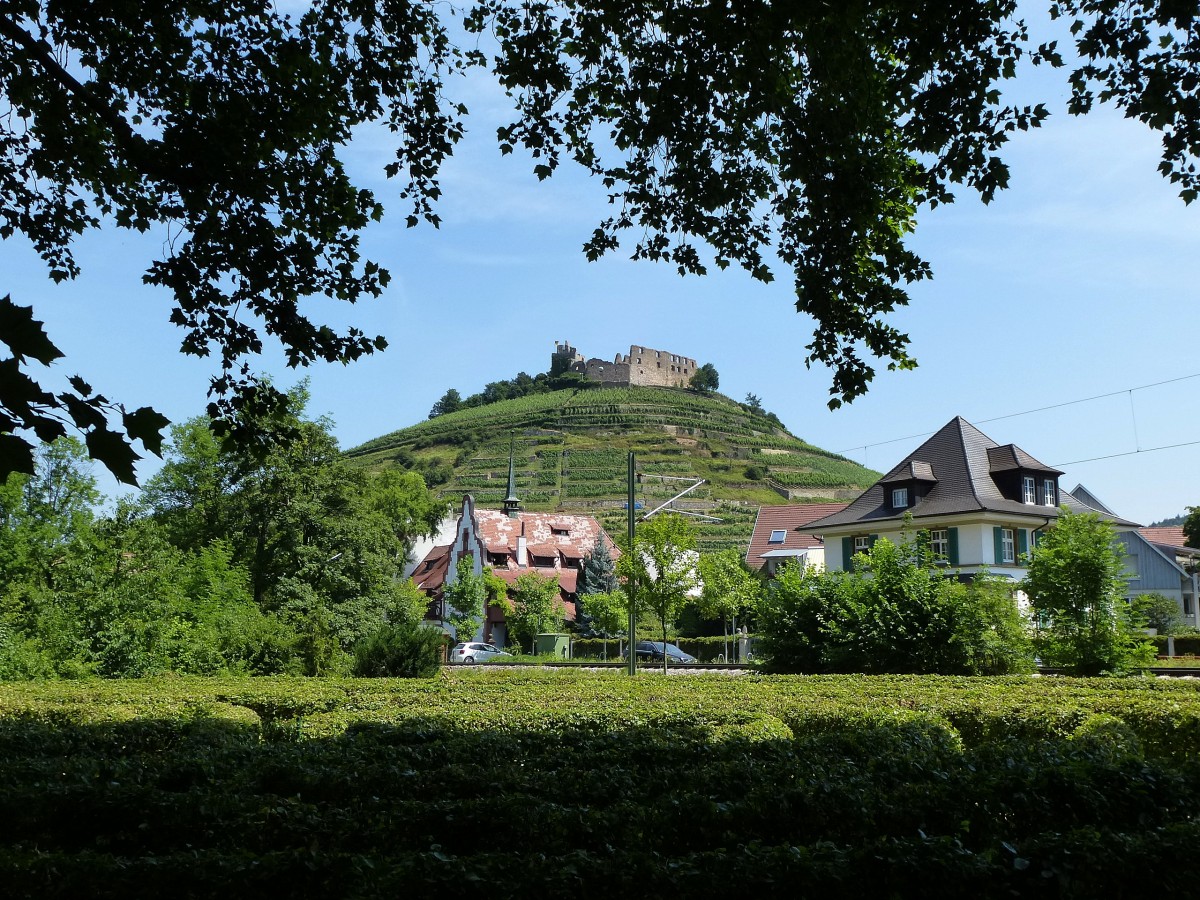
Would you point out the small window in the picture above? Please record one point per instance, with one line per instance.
(1049, 495)
(778, 536)
(900, 498)
(862, 543)
(1008, 550)
(561, 532)
(939, 542)
(1029, 483)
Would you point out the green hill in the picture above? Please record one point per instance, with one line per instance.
(572, 448)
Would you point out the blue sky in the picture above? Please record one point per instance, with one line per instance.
(1078, 281)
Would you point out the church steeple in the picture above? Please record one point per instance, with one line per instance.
(512, 504)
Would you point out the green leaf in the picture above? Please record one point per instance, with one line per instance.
(15, 456)
(24, 334)
(146, 425)
(111, 449)
(80, 385)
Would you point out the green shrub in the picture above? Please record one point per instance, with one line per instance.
(402, 650)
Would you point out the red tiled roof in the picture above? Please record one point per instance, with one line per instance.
(430, 574)
(1169, 535)
(500, 534)
(497, 528)
(791, 520)
(567, 582)
(568, 579)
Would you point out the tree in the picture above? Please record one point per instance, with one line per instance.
(1191, 527)
(310, 531)
(534, 608)
(1158, 611)
(663, 568)
(754, 404)
(464, 599)
(127, 603)
(43, 514)
(1076, 585)
(705, 378)
(598, 574)
(449, 402)
(730, 589)
(608, 613)
(808, 133)
(895, 613)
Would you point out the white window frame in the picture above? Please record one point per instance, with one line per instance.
(900, 498)
(782, 536)
(1008, 546)
(939, 542)
(1029, 486)
(862, 543)
(1049, 494)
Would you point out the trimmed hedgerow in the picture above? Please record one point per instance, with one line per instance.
(598, 784)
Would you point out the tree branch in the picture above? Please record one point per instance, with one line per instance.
(132, 145)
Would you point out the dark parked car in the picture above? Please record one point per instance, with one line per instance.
(655, 650)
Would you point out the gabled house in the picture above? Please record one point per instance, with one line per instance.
(983, 504)
(1160, 563)
(513, 542)
(781, 534)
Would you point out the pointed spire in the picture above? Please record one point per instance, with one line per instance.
(512, 505)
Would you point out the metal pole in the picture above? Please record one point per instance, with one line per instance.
(631, 583)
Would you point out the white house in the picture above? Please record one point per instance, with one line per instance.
(983, 504)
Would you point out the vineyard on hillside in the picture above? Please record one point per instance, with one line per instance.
(571, 453)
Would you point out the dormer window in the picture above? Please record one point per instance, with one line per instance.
(900, 498)
(778, 536)
(559, 531)
(1049, 494)
(1029, 486)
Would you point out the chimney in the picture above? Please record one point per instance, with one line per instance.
(522, 549)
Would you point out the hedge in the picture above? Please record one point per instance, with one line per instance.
(570, 783)
(1185, 644)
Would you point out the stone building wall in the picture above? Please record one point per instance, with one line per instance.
(642, 367)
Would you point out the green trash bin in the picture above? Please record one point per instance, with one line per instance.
(558, 645)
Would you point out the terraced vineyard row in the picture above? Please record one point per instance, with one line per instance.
(571, 451)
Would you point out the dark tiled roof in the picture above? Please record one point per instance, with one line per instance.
(963, 460)
(1011, 457)
(911, 470)
(792, 521)
(1083, 495)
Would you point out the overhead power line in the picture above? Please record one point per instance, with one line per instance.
(1028, 412)
(1076, 462)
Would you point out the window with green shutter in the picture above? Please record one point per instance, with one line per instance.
(1005, 546)
(952, 538)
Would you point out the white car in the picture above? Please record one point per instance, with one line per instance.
(473, 652)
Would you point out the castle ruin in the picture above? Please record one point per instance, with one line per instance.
(641, 367)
